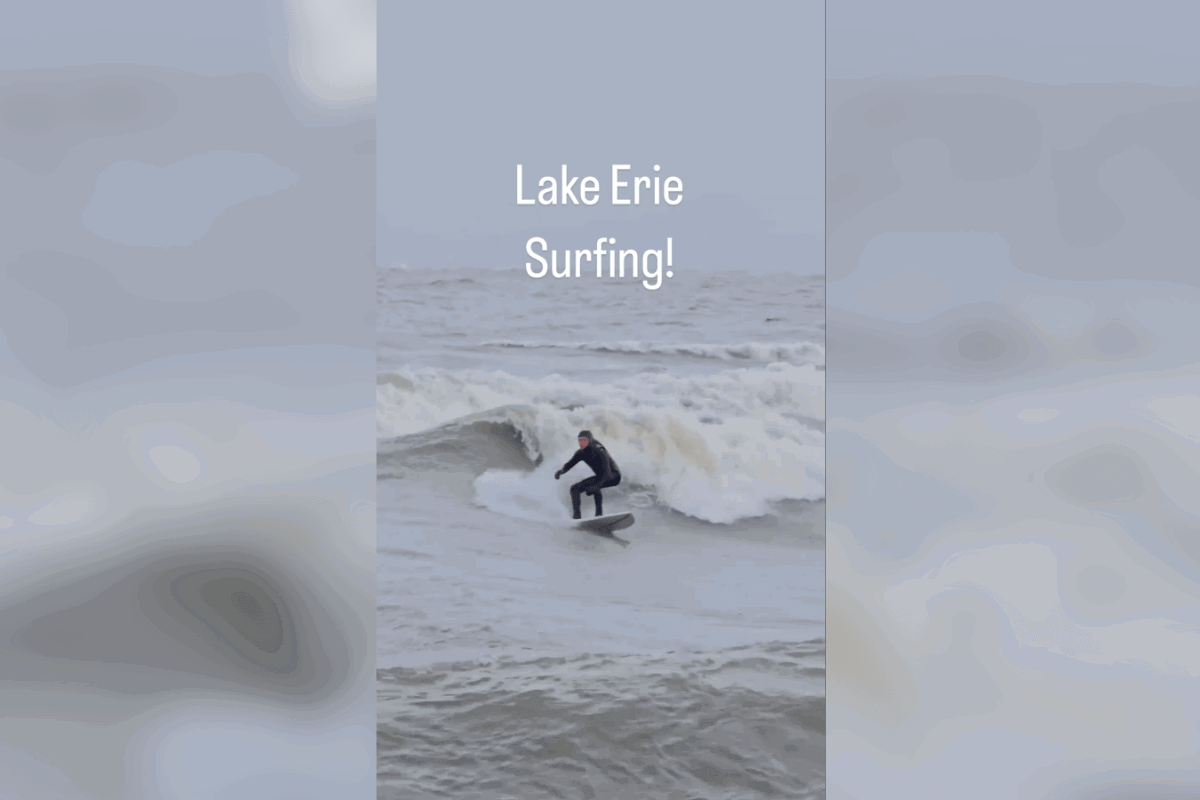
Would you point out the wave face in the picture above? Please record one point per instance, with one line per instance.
(719, 447)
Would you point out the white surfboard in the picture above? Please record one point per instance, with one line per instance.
(604, 526)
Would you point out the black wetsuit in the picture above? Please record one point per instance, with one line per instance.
(607, 474)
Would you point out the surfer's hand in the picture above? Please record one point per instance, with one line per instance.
(558, 475)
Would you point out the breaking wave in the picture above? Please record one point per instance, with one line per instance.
(716, 447)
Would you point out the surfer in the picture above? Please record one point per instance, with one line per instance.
(595, 456)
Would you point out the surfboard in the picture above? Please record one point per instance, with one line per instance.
(604, 526)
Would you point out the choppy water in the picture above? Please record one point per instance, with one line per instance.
(519, 658)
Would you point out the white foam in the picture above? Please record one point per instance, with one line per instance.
(523, 495)
(718, 447)
(409, 401)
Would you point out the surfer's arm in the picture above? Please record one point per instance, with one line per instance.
(567, 467)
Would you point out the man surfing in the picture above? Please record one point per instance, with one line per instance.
(595, 456)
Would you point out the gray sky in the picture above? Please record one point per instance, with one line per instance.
(731, 101)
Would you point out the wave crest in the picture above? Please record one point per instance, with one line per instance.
(718, 447)
(766, 353)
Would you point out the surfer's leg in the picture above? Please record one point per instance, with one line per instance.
(578, 489)
(599, 498)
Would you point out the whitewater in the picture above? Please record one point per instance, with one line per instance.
(518, 657)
